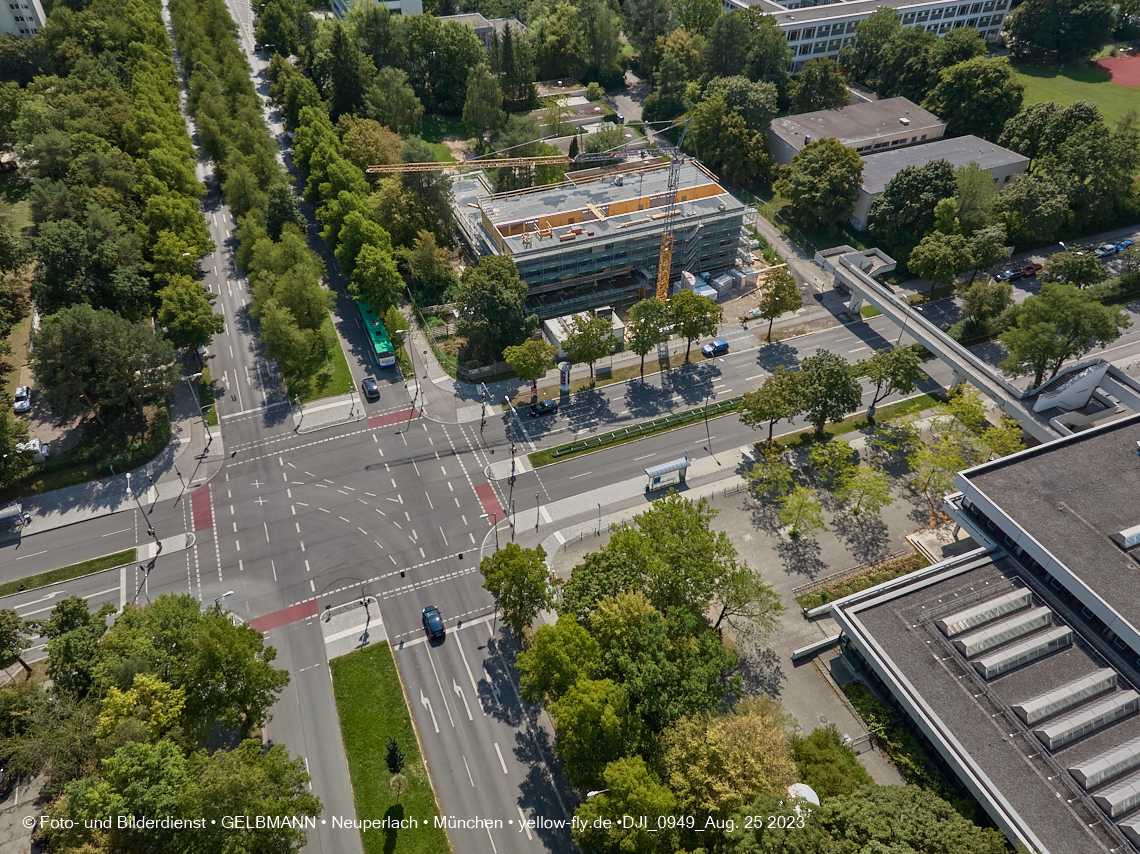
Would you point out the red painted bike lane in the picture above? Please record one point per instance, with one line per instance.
(203, 510)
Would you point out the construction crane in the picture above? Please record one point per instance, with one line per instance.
(665, 259)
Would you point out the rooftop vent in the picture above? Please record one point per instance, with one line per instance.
(904, 121)
(1128, 538)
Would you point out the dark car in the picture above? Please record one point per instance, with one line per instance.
(370, 388)
(1031, 270)
(715, 348)
(543, 407)
(433, 622)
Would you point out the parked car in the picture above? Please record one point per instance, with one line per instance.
(433, 622)
(543, 407)
(23, 399)
(1124, 244)
(1009, 276)
(715, 348)
(1105, 250)
(1031, 270)
(370, 388)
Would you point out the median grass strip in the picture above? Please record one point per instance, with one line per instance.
(96, 564)
(634, 432)
(370, 703)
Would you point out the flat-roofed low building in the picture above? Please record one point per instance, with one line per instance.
(868, 127)
(484, 27)
(878, 169)
(396, 7)
(601, 225)
(1042, 729)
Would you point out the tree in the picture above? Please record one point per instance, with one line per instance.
(893, 370)
(1077, 268)
(1062, 30)
(483, 108)
(831, 460)
(729, 41)
(818, 86)
(864, 488)
(717, 765)
(822, 183)
(531, 360)
(394, 103)
(13, 464)
(557, 657)
(1062, 322)
(393, 756)
(977, 96)
(987, 247)
(776, 400)
(862, 56)
(697, 16)
(746, 604)
(828, 390)
(771, 474)
(905, 64)
(431, 268)
(828, 765)
(693, 316)
(520, 582)
(1028, 133)
(780, 295)
(645, 327)
(366, 142)
(12, 636)
(934, 465)
(725, 140)
(375, 279)
(396, 325)
(631, 789)
(688, 47)
(186, 313)
(757, 103)
(771, 55)
(282, 208)
(946, 216)
(121, 364)
(904, 213)
(602, 46)
(557, 33)
(986, 299)
(350, 72)
(490, 301)
(801, 513)
(974, 190)
(1033, 208)
(593, 726)
(592, 338)
(646, 21)
(940, 258)
(277, 25)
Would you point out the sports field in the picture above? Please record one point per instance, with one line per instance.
(1084, 82)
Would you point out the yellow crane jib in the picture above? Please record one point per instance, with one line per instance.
(487, 163)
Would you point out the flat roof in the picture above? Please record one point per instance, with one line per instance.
(971, 715)
(652, 183)
(791, 18)
(878, 169)
(1071, 496)
(853, 124)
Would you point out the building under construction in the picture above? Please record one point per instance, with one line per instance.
(595, 238)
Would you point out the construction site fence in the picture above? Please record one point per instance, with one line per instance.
(675, 420)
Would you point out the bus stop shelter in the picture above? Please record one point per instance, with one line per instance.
(666, 474)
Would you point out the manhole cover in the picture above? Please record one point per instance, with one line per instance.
(822, 719)
(799, 728)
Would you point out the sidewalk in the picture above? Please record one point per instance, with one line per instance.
(194, 455)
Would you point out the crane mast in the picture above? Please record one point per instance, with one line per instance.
(665, 259)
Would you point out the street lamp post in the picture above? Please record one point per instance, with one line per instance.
(599, 519)
(537, 511)
(707, 436)
(218, 599)
(149, 527)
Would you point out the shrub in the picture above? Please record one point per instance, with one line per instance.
(594, 92)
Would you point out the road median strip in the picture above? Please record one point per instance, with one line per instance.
(66, 573)
(635, 432)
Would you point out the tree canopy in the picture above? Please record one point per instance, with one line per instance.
(822, 183)
(490, 299)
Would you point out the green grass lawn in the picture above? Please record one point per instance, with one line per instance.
(442, 152)
(65, 573)
(1071, 83)
(323, 377)
(370, 703)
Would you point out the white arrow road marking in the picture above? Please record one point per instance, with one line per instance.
(459, 691)
(427, 705)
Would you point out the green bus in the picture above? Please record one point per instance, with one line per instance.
(378, 336)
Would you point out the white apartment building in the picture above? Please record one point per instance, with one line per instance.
(396, 7)
(21, 17)
(821, 29)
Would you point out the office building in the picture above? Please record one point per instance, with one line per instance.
(396, 7)
(867, 127)
(21, 17)
(879, 169)
(820, 29)
(601, 226)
